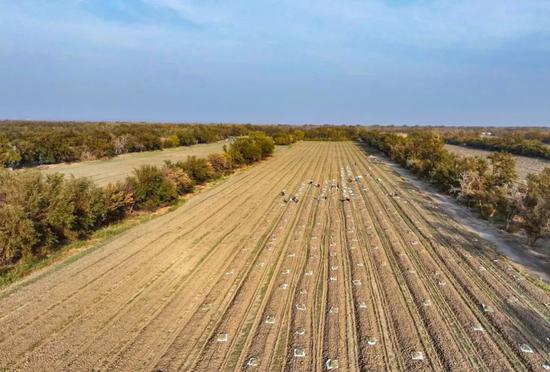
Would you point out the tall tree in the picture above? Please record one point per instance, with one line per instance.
(535, 206)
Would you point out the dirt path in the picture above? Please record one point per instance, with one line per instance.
(534, 261)
(239, 279)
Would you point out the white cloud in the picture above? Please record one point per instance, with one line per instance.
(345, 35)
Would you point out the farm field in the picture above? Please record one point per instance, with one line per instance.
(524, 165)
(120, 167)
(239, 279)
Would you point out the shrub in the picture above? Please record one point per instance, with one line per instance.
(446, 173)
(221, 163)
(9, 156)
(59, 217)
(244, 151)
(535, 206)
(17, 234)
(264, 142)
(180, 178)
(150, 188)
(200, 170)
(490, 189)
(171, 141)
(186, 137)
(247, 150)
(119, 201)
(283, 139)
(38, 212)
(88, 206)
(503, 169)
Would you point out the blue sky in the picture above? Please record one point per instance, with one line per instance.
(286, 61)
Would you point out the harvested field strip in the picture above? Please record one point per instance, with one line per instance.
(340, 317)
(505, 274)
(486, 254)
(234, 267)
(372, 314)
(389, 254)
(414, 271)
(245, 229)
(301, 333)
(233, 271)
(262, 270)
(276, 301)
(360, 273)
(374, 322)
(473, 273)
(308, 310)
(143, 265)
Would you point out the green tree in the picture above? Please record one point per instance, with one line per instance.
(473, 175)
(244, 150)
(9, 155)
(298, 135)
(89, 206)
(221, 163)
(119, 200)
(424, 151)
(535, 206)
(186, 137)
(446, 173)
(283, 139)
(503, 169)
(264, 142)
(199, 169)
(171, 141)
(17, 235)
(150, 188)
(184, 183)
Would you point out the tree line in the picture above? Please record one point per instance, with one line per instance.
(39, 213)
(36, 143)
(332, 133)
(512, 142)
(25, 144)
(485, 185)
(533, 142)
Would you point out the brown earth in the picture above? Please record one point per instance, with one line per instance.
(237, 279)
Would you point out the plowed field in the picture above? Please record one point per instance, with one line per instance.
(239, 279)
